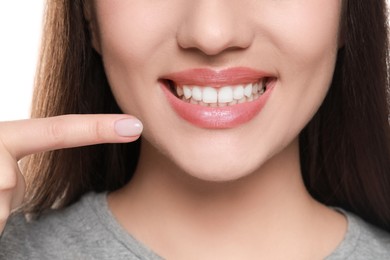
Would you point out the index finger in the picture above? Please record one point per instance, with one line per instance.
(30, 136)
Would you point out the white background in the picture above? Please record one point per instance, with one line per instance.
(20, 32)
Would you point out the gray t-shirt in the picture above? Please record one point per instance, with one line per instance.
(88, 230)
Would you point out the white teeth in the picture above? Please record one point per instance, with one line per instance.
(262, 90)
(238, 92)
(203, 104)
(255, 88)
(234, 102)
(197, 93)
(179, 92)
(224, 96)
(187, 92)
(210, 95)
(242, 100)
(248, 90)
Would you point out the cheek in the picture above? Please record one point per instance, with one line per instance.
(307, 31)
(305, 36)
(305, 42)
(131, 32)
(133, 36)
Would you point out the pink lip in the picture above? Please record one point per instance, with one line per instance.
(207, 77)
(217, 117)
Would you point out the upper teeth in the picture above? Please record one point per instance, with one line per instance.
(225, 94)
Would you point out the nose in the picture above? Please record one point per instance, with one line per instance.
(213, 26)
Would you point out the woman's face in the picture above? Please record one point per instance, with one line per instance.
(220, 86)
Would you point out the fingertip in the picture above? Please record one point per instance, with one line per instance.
(128, 127)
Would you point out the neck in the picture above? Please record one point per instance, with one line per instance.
(267, 204)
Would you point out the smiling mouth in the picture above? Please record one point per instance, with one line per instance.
(218, 99)
(221, 96)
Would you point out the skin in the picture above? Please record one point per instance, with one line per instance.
(296, 41)
(21, 138)
(243, 197)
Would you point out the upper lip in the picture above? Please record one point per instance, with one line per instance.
(216, 78)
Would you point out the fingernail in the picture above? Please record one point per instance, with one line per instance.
(128, 127)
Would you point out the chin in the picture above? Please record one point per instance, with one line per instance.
(218, 169)
(217, 175)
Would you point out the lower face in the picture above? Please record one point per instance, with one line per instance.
(184, 68)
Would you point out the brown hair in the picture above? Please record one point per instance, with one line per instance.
(345, 149)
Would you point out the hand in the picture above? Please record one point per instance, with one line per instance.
(25, 137)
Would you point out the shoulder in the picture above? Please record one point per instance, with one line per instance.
(58, 234)
(363, 241)
(373, 242)
(84, 230)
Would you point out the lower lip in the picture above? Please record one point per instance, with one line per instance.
(217, 117)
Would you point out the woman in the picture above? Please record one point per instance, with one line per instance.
(265, 133)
